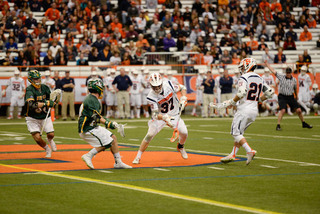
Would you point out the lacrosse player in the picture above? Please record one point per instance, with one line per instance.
(166, 110)
(48, 81)
(89, 130)
(17, 87)
(136, 90)
(38, 102)
(315, 98)
(304, 89)
(145, 92)
(111, 96)
(199, 93)
(250, 85)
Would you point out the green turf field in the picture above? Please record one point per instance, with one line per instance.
(283, 178)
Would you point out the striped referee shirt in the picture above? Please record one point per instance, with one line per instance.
(286, 86)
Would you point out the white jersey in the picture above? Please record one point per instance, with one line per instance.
(304, 83)
(147, 86)
(165, 102)
(49, 82)
(254, 85)
(217, 85)
(16, 86)
(199, 82)
(108, 83)
(269, 80)
(273, 101)
(235, 82)
(136, 87)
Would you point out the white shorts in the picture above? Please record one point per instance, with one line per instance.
(304, 97)
(111, 99)
(144, 99)
(98, 137)
(155, 126)
(35, 125)
(16, 101)
(199, 97)
(241, 122)
(135, 99)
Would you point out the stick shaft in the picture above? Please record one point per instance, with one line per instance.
(45, 121)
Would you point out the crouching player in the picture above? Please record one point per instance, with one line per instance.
(250, 86)
(89, 130)
(37, 104)
(165, 108)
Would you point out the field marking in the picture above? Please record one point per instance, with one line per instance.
(208, 138)
(267, 166)
(149, 190)
(133, 139)
(161, 169)
(38, 184)
(212, 125)
(15, 143)
(192, 150)
(315, 135)
(217, 168)
(105, 171)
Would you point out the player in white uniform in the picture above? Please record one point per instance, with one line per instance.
(305, 83)
(217, 87)
(48, 81)
(165, 108)
(111, 96)
(250, 86)
(199, 93)
(17, 87)
(235, 81)
(136, 90)
(315, 91)
(271, 104)
(145, 92)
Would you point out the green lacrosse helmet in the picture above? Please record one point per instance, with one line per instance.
(96, 86)
(34, 74)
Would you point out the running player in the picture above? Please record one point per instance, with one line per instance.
(165, 108)
(305, 83)
(48, 81)
(89, 130)
(199, 93)
(136, 90)
(37, 104)
(250, 86)
(17, 87)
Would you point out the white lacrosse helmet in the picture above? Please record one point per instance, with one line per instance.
(16, 72)
(315, 86)
(145, 71)
(135, 72)
(169, 72)
(247, 65)
(155, 81)
(304, 69)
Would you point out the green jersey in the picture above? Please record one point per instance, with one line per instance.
(36, 95)
(89, 110)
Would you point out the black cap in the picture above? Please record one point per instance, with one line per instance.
(288, 70)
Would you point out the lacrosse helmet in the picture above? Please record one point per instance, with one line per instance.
(96, 86)
(247, 65)
(156, 82)
(34, 74)
(315, 86)
(304, 69)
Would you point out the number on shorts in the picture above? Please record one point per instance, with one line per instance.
(165, 106)
(254, 93)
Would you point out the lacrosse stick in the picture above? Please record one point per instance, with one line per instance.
(175, 134)
(55, 96)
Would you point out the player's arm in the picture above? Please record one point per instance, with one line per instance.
(267, 93)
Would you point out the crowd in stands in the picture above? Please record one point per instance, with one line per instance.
(87, 30)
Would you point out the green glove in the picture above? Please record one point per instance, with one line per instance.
(50, 103)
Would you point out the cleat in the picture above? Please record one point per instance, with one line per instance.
(53, 146)
(227, 159)
(19, 117)
(88, 160)
(194, 114)
(136, 160)
(278, 128)
(182, 151)
(306, 125)
(48, 153)
(121, 165)
(250, 156)
(10, 117)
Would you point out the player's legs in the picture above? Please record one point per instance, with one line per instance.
(71, 103)
(138, 104)
(50, 133)
(205, 104)
(20, 105)
(116, 154)
(127, 104)
(36, 136)
(64, 105)
(183, 135)
(295, 106)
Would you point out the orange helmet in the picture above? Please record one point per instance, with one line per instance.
(247, 65)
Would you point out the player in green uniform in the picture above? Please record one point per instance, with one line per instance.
(89, 130)
(37, 104)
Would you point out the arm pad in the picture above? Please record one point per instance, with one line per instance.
(242, 91)
(268, 91)
(32, 104)
(182, 87)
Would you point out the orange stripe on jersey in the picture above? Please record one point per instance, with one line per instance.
(166, 98)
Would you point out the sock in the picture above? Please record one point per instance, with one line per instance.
(46, 147)
(117, 157)
(93, 152)
(247, 147)
(132, 114)
(180, 146)
(139, 154)
(234, 151)
(11, 110)
(19, 111)
(193, 110)
(147, 114)
(138, 112)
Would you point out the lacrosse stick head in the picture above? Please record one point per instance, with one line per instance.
(175, 136)
(55, 95)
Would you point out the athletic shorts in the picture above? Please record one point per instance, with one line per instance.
(35, 125)
(111, 99)
(287, 100)
(241, 121)
(199, 97)
(16, 101)
(98, 137)
(144, 99)
(135, 99)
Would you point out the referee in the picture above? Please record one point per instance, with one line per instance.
(287, 91)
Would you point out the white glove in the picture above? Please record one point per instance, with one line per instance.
(213, 105)
(120, 128)
(166, 118)
(3, 93)
(21, 96)
(183, 102)
(227, 104)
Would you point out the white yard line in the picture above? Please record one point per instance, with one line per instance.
(105, 171)
(267, 166)
(217, 168)
(208, 138)
(161, 169)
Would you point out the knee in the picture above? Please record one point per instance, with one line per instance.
(282, 111)
(114, 138)
(237, 138)
(298, 110)
(149, 136)
(50, 135)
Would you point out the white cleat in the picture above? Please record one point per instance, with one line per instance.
(136, 160)
(121, 165)
(48, 152)
(227, 159)
(88, 160)
(53, 146)
(183, 153)
(250, 156)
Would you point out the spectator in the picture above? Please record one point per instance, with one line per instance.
(306, 58)
(141, 23)
(235, 58)
(99, 43)
(226, 83)
(311, 22)
(225, 58)
(142, 42)
(11, 45)
(268, 16)
(54, 48)
(248, 30)
(299, 63)
(280, 57)
(84, 48)
(70, 55)
(289, 44)
(155, 26)
(305, 35)
(30, 21)
(253, 44)
(267, 56)
(276, 44)
(52, 13)
(235, 49)
(276, 6)
(208, 94)
(246, 48)
(61, 58)
(104, 55)
(67, 86)
(225, 41)
(264, 35)
(168, 42)
(122, 84)
(292, 34)
(262, 46)
(48, 59)
(43, 35)
(223, 27)
(263, 5)
(82, 60)
(115, 59)
(94, 55)
(132, 35)
(151, 4)
(197, 6)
